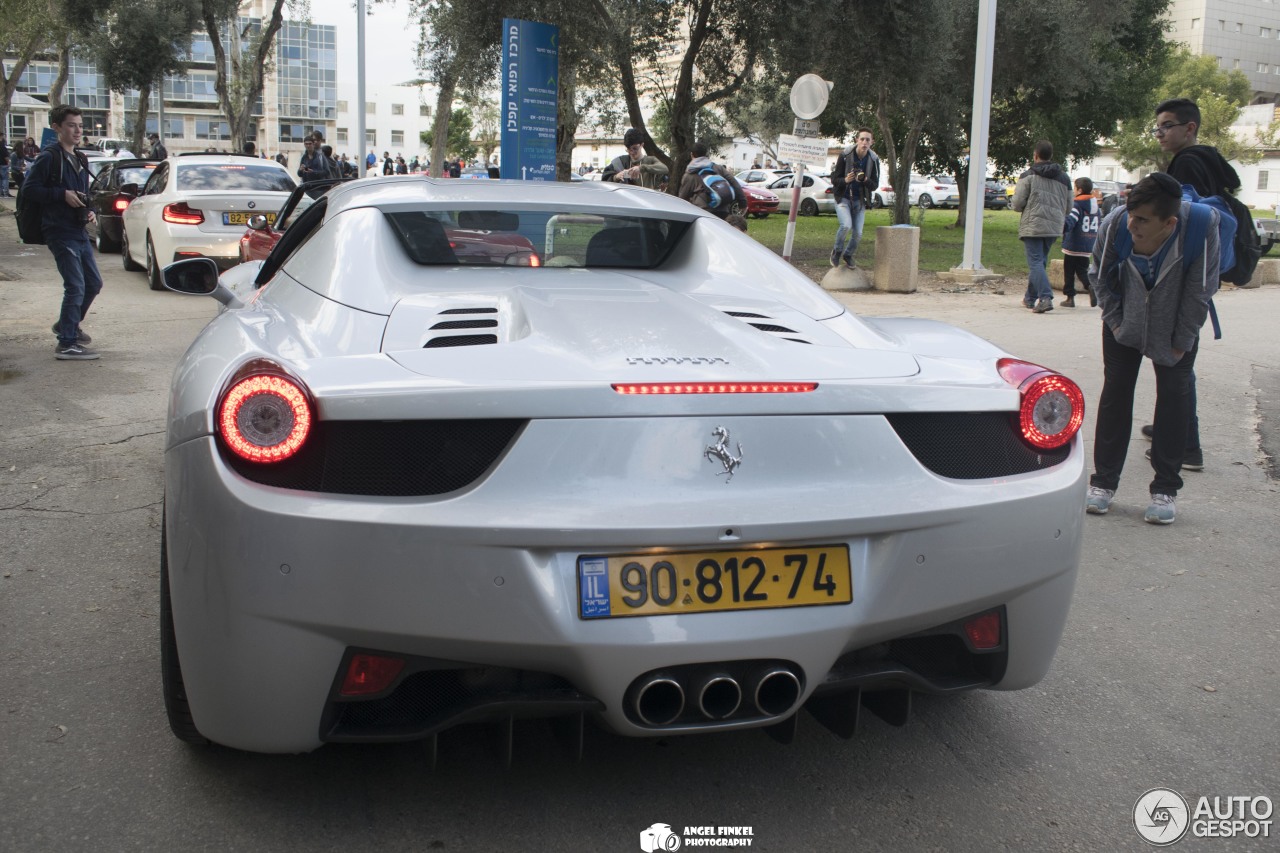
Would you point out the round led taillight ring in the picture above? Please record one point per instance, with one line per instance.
(264, 418)
(1052, 411)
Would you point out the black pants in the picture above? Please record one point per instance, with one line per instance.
(1120, 365)
(1073, 267)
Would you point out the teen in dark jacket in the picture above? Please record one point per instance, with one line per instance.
(1078, 235)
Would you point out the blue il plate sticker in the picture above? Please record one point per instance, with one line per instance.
(593, 587)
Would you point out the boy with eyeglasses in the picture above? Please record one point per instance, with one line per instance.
(1153, 304)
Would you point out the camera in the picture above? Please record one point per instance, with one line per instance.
(86, 211)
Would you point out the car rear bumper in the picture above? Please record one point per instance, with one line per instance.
(273, 589)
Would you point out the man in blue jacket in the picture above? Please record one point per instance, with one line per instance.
(64, 215)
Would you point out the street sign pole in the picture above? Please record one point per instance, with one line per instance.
(808, 100)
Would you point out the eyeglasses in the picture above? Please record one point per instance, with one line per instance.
(1162, 129)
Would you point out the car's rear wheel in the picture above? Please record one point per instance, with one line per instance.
(104, 243)
(125, 258)
(877, 201)
(808, 207)
(176, 706)
(926, 200)
(760, 216)
(153, 268)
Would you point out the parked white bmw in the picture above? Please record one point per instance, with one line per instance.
(196, 205)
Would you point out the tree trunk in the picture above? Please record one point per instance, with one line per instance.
(246, 72)
(9, 84)
(64, 71)
(961, 174)
(567, 126)
(137, 138)
(440, 127)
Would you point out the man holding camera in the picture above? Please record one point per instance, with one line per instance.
(856, 175)
(65, 211)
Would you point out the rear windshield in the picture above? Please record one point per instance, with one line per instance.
(135, 175)
(234, 176)
(535, 238)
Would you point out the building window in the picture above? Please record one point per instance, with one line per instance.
(397, 139)
(206, 129)
(342, 106)
(340, 135)
(1195, 23)
(1265, 32)
(1235, 63)
(1263, 68)
(424, 110)
(397, 109)
(370, 108)
(371, 138)
(1262, 179)
(1222, 25)
(1239, 27)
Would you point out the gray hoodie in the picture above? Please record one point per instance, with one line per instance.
(1170, 315)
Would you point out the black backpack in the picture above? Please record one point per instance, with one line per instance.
(29, 213)
(1247, 247)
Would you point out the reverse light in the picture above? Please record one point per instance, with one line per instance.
(1052, 407)
(369, 674)
(714, 387)
(984, 631)
(264, 418)
(180, 214)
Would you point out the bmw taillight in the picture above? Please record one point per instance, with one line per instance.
(179, 213)
(264, 416)
(1052, 408)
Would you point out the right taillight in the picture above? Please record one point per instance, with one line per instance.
(264, 417)
(1052, 408)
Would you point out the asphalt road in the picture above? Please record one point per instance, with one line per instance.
(1167, 675)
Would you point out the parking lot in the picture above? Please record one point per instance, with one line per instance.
(1166, 676)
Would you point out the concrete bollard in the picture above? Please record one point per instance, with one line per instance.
(1267, 272)
(1055, 275)
(897, 267)
(843, 278)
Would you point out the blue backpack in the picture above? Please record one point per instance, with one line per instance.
(1197, 228)
(718, 188)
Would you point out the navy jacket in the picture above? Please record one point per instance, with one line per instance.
(61, 221)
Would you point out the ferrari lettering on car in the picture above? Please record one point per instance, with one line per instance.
(466, 451)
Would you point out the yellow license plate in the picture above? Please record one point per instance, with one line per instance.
(242, 218)
(702, 581)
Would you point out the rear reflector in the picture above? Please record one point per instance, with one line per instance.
(714, 387)
(984, 631)
(369, 674)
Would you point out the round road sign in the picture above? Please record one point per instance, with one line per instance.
(809, 96)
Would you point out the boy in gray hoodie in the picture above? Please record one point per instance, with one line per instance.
(1153, 304)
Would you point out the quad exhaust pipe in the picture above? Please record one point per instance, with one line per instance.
(660, 699)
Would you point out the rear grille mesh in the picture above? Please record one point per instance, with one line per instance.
(972, 445)
(388, 458)
(460, 341)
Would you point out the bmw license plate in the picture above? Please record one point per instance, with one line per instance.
(702, 581)
(240, 217)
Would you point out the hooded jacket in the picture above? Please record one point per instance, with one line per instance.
(1204, 168)
(844, 165)
(1168, 316)
(1043, 197)
(60, 220)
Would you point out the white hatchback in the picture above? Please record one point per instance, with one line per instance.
(196, 205)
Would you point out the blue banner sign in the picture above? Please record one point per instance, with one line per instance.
(530, 87)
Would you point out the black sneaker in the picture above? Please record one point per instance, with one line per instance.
(1043, 306)
(1148, 431)
(848, 262)
(81, 337)
(1192, 460)
(74, 352)
(835, 257)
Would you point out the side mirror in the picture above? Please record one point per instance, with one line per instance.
(199, 277)
(130, 190)
(258, 222)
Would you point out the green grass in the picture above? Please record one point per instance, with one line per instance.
(941, 244)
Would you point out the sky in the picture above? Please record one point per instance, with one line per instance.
(390, 39)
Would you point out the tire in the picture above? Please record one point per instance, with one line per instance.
(926, 201)
(176, 707)
(877, 201)
(808, 207)
(760, 216)
(104, 243)
(125, 259)
(153, 268)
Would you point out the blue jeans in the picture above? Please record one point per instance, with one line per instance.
(4, 178)
(1037, 249)
(850, 220)
(80, 284)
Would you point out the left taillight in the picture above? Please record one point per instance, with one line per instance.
(180, 213)
(265, 417)
(121, 204)
(1052, 407)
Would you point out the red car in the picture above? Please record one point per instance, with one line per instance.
(760, 202)
(470, 245)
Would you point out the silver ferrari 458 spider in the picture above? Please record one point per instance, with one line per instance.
(463, 451)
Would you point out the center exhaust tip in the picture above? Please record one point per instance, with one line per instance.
(660, 701)
(719, 698)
